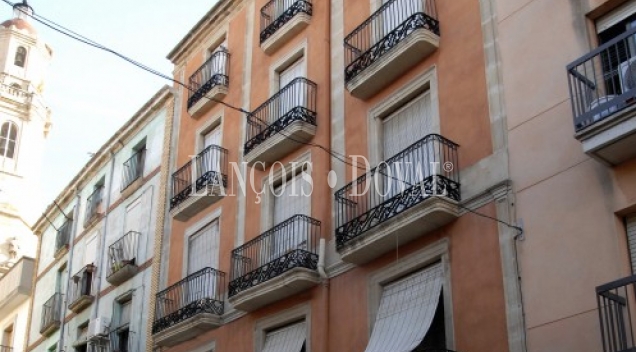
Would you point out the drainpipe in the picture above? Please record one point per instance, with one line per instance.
(69, 268)
(325, 291)
(101, 250)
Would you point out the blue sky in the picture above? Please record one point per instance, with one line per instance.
(91, 92)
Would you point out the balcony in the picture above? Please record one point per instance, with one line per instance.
(63, 237)
(603, 95)
(194, 190)
(51, 315)
(133, 169)
(411, 192)
(282, 123)
(615, 310)
(209, 84)
(122, 259)
(189, 308)
(279, 263)
(396, 37)
(82, 294)
(281, 20)
(16, 285)
(93, 206)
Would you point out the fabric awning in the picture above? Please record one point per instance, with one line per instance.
(287, 339)
(406, 311)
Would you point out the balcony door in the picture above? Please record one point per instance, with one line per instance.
(211, 160)
(293, 96)
(218, 65)
(280, 6)
(396, 13)
(400, 131)
(133, 223)
(291, 198)
(203, 252)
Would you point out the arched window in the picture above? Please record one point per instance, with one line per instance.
(20, 56)
(8, 140)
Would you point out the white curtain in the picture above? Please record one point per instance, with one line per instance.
(398, 12)
(406, 311)
(211, 161)
(288, 339)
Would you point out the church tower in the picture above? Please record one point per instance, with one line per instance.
(24, 125)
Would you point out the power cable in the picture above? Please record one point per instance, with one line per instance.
(338, 156)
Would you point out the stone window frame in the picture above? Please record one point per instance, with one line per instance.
(419, 260)
(282, 319)
(195, 229)
(292, 56)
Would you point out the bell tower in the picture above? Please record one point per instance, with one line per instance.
(24, 126)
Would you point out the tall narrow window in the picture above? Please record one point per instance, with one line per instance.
(8, 140)
(20, 56)
(120, 337)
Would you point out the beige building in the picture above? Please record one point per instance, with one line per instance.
(569, 72)
(24, 125)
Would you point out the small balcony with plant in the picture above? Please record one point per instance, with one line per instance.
(411, 193)
(122, 258)
(396, 37)
(199, 183)
(603, 95)
(279, 263)
(281, 124)
(209, 83)
(281, 20)
(82, 294)
(189, 308)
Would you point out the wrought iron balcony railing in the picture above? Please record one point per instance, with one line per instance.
(211, 167)
(98, 345)
(294, 102)
(133, 168)
(51, 312)
(214, 72)
(276, 13)
(93, 205)
(396, 185)
(288, 245)
(123, 252)
(603, 82)
(82, 284)
(63, 235)
(198, 293)
(615, 309)
(391, 24)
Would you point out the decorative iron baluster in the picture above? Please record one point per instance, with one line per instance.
(276, 13)
(198, 293)
(391, 24)
(288, 245)
(123, 252)
(294, 102)
(396, 185)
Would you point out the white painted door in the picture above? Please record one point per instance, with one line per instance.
(130, 246)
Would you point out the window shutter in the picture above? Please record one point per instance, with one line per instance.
(616, 16)
(291, 200)
(133, 217)
(406, 311)
(288, 339)
(203, 248)
(407, 125)
(631, 240)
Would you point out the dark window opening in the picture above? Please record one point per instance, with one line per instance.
(435, 338)
(20, 57)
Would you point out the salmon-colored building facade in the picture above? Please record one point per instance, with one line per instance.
(293, 97)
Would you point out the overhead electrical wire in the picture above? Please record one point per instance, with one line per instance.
(338, 156)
